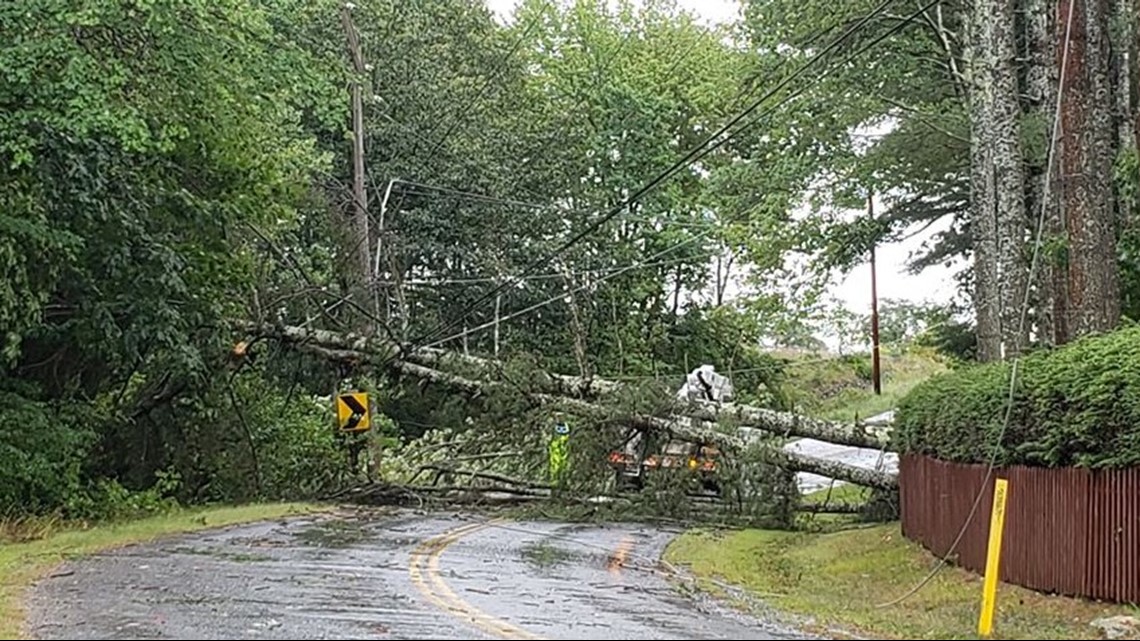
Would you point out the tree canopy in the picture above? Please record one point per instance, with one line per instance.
(174, 170)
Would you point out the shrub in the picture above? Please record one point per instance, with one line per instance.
(42, 451)
(1078, 405)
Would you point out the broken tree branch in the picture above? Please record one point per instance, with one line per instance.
(702, 431)
(359, 349)
(787, 424)
(489, 476)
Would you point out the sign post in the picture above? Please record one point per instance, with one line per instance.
(993, 559)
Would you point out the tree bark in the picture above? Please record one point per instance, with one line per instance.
(679, 425)
(1087, 151)
(378, 348)
(1004, 129)
(983, 223)
(1134, 73)
(1123, 39)
(705, 432)
(835, 470)
(997, 181)
(1041, 190)
(359, 349)
(786, 424)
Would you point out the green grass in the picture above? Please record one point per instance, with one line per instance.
(839, 493)
(841, 388)
(23, 563)
(840, 579)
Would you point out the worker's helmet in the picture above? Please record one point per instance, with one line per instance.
(561, 428)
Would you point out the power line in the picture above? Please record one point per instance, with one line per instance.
(696, 224)
(686, 160)
(469, 195)
(441, 282)
(1022, 319)
(563, 295)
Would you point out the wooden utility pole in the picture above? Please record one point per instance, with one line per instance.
(876, 373)
(360, 240)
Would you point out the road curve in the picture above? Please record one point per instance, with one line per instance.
(399, 575)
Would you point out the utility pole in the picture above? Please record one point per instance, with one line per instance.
(360, 239)
(876, 372)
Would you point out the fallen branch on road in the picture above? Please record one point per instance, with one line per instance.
(831, 508)
(490, 476)
(359, 349)
(700, 430)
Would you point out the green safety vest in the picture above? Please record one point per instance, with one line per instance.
(558, 449)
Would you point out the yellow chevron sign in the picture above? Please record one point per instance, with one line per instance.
(352, 413)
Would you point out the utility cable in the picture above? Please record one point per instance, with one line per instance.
(685, 161)
(563, 295)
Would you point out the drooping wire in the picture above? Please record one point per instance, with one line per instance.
(687, 160)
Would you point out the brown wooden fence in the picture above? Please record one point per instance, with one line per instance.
(1069, 531)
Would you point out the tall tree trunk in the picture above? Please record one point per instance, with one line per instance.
(1087, 146)
(1123, 37)
(983, 225)
(1133, 20)
(1041, 186)
(1008, 168)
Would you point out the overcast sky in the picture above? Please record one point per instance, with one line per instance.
(854, 290)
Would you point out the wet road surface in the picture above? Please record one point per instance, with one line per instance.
(396, 576)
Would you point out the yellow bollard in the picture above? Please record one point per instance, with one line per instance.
(993, 559)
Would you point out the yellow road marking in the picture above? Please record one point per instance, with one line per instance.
(621, 552)
(443, 597)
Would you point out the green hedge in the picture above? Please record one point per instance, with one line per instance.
(1078, 405)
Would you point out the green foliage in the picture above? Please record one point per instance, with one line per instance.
(169, 168)
(1128, 246)
(842, 388)
(42, 453)
(299, 453)
(44, 464)
(107, 500)
(1078, 405)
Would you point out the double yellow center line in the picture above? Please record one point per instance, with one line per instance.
(424, 562)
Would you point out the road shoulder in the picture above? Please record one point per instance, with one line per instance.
(841, 580)
(23, 564)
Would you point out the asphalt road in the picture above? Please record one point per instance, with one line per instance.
(397, 576)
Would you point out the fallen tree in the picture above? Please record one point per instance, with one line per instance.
(560, 384)
(360, 349)
(496, 489)
(681, 426)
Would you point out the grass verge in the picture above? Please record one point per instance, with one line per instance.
(839, 578)
(23, 563)
(841, 388)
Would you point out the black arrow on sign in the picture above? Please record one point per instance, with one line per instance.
(358, 411)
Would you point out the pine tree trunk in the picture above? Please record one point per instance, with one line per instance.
(983, 224)
(1004, 120)
(1041, 87)
(1133, 20)
(1087, 148)
(1123, 38)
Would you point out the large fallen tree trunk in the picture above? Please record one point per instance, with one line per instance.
(680, 426)
(356, 348)
(787, 423)
(560, 384)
